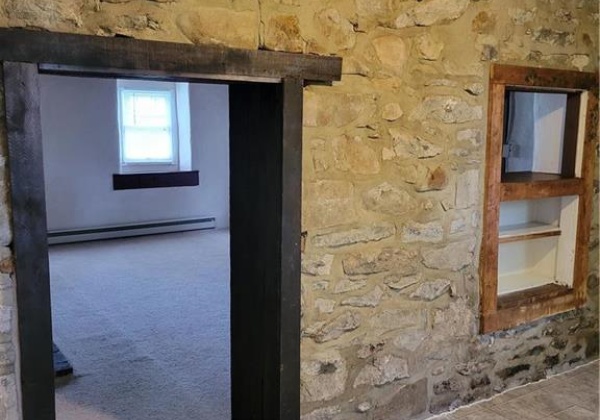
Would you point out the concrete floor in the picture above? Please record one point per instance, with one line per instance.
(145, 323)
(569, 396)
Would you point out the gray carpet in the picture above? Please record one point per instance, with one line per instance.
(145, 323)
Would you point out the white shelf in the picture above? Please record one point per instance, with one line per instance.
(530, 230)
(524, 280)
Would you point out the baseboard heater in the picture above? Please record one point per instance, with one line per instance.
(124, 231)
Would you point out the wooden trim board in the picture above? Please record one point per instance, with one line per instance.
(125, 57)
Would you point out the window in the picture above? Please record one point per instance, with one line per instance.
(154, 127)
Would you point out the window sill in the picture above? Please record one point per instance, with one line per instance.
(155, 180)
(522, 307)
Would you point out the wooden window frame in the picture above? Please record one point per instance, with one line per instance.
(513, 309)
(265, 96)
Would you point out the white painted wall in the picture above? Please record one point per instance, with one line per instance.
(81, 153)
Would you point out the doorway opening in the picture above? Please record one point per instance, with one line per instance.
(265, 114)
(141, 316)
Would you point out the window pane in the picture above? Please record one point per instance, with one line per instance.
(141, 145)
(146, 109)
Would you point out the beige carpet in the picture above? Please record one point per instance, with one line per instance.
(145, 323)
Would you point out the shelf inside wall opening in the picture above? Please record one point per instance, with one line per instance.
(537, 243)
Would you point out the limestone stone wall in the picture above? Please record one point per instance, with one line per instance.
(392, 187)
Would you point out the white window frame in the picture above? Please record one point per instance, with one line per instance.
(180, 126)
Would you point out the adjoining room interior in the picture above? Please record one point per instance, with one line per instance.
(142, 313)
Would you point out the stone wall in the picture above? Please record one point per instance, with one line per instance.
(392, 188)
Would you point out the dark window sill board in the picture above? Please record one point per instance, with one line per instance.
(155, 180)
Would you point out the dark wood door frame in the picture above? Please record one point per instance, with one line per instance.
(265, 151)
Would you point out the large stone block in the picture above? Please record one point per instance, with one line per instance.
(448, 110)
(348, 321)
(457, 320)
(407, 145)
(399, 260)
(214, 25)
(337, 31)
(451, 257)
(323, 376)
(326, 413)
(349, 285)
(406, 402)
(47, 14)
(282, 33)
(422, 232)
(397, 319)
(316, 264)
(392, 53)
(384, 369)
(467, 189)
(432, 12)
(328, 203)
(355, 155)
(425, 178)
(371, 299)
(431, 290)
(338, 109)
(369, 233)
(388, 199)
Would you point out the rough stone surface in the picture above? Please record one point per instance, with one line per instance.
(338, 109)
(451, 257)
(329, 203)
(432, 12)
(430, 48)
(384, 369)
(410, 340)
(406, 145)
(370, 233)
(392, 53)
(449, 110)
(348, 285)
(455, 321)
(327, 413)
(431, 290)
(397, 319)
(355, 155)
(323, 376)
(467, 189)
(388, 199)
(425, 178)
(325, 306)
(282, 33)
(317, 264)
(388, 259)
(338, 32)
(391, 112)
(404, 402)
(220, 26)
(399, 141)
(345, 322)
(422, 232)
(396, 282)
(371, 299)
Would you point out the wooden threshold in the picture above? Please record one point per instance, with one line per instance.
(539, 186)
(527, 231)
(522, 307)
